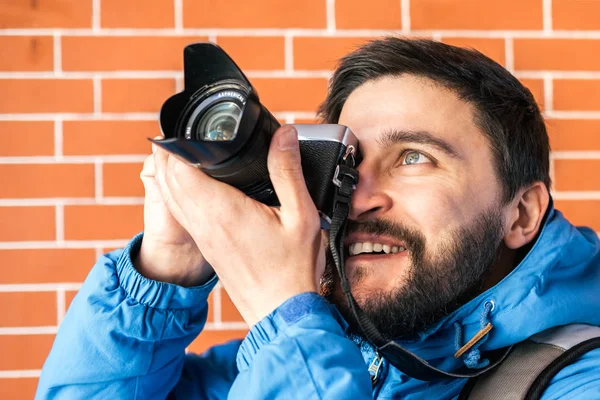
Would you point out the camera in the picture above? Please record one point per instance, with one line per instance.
(219, 125)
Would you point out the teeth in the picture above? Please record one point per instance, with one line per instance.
(368, 247)
(355, 249)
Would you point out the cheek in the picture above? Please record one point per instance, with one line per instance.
(432, 208)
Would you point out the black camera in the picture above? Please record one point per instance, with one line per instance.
(219, 125)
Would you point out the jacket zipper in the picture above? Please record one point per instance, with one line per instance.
(375, 368)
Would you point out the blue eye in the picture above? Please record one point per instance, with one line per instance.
(411, 157)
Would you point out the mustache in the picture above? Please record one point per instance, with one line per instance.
(412, 238)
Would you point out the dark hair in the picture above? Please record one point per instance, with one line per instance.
(505, 110)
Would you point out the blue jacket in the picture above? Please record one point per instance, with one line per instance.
(124, 336)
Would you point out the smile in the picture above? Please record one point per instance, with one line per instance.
(373, 248)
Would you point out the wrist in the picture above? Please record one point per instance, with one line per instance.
(181, 264)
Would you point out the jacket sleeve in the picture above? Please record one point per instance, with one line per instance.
(300, 352)
(580, 380)
(124, 337)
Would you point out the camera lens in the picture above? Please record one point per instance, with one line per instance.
(220, 122)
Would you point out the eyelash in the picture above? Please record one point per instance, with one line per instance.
(405, 152)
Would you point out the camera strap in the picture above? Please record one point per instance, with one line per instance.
(345, 180)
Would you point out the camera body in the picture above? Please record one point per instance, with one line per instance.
(219, 125)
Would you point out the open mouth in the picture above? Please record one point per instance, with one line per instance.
(373, 249)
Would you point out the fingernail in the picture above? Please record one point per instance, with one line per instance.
(288, 139)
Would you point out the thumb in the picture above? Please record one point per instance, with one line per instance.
(285, 171)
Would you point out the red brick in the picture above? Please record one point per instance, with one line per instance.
(122, 179)
(137, 14)
(110, 249)
(46, 96)
(229, 312)
(18, 388)
(557, 54)
(135, 95)
(121, 53)
(307, 121)
(493, 48)
(574, 134)
(207, 339)
(575, 14)
(376, 14)
(291, 94)
(24, 351)
(45, 265)
(46, 180)
(536, 86)
(476, 14)
(26, 138)
(17, 223)
(581, 212)
(108, 137)
(253, 52)
(254, 14)
(26, 53)
(575, 175)
(28, 309)
(323, 53)
(576, 94)
(103, 222)
(46, 14)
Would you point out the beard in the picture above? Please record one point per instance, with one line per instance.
(438, 281)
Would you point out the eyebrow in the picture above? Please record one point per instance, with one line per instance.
(391, 137)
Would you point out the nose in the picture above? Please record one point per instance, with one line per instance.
(369, 200)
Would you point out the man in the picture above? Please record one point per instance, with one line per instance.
(452, 230)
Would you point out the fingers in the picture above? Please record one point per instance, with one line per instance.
(285, 170)
(149, 168)
(196, 200)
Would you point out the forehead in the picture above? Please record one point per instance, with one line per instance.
(411, 103)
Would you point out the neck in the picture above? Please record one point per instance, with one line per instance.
(505, 263)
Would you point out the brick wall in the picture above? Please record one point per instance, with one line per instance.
(81, 82)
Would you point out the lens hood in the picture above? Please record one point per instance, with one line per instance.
(204, 65)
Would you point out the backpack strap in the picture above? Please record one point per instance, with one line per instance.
(532, 364)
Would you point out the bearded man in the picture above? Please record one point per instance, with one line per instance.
(453, 243)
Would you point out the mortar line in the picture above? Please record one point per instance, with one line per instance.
(57, 57)
(547, 16)
(97, 82)
(23, 373)
(509, 55)
(178, 13)
(217, 310)
(60, 222)
(405, 16)
(330, 15)
(134, 32)
(96, 22)
(60, 305)
(58, 138)
(288, 53)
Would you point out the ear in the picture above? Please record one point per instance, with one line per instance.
(525, 215)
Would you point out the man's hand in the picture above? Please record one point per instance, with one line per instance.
(168, 253)
(262, 255)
